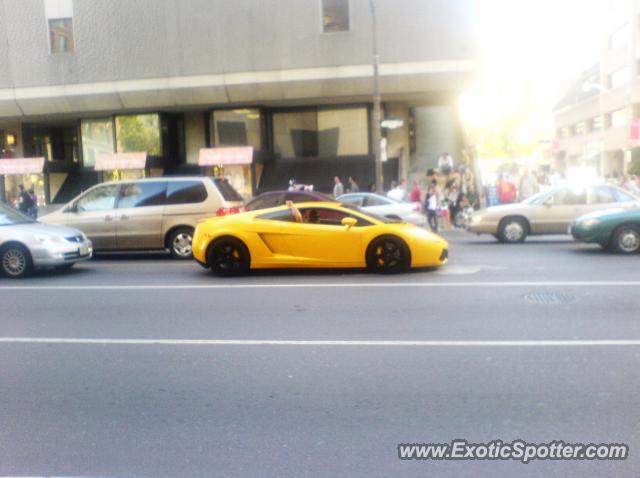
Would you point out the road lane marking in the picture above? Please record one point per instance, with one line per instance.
(322, 343)
(323, 285)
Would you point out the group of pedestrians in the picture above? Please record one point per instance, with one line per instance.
(27, 201)
(339, 189)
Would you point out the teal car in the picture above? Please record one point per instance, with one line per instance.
(617, 230)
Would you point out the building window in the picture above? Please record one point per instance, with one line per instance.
(321, 133)
(619, 38)
(335, 16)
(618, 118)
(60, 22)
(138, 133)
(579, 128)
(619, 77)
(239, 127)
(594, 124)
(97, 139)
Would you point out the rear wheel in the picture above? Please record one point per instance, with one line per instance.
(513, 230)
(15, 261)
(388, 255)
(180, 243)
(626, 240)
(228, 257)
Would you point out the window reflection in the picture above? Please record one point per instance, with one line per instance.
(137, 133)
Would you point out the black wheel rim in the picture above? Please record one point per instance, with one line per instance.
(387, 255)
(227, 258)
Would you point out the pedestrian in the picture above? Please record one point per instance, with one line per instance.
(506, 190)
(338, 187)
(353, 185)
(528, 185)
(33, 212)
(25, 202)
(396, 192)
(431, 203)
(415, 194)
(631, 185)
(445, 163)
(452, 200)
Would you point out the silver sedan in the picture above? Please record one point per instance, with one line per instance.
(410, 212)
(26, 244)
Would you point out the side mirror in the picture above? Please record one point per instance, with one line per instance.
(349, 222)
(71, 208)
(548, 202)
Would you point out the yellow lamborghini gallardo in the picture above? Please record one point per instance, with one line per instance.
(314, 235)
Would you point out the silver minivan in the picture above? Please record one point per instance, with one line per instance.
(147, 214)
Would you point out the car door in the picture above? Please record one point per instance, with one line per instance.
(381, 206)
(600, 197)
(271, 230)
(561, 207)
(322, 241)
(94, 214)
(139, 214)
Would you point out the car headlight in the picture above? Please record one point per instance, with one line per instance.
(476, 218)
(590, 222)
(44, 239)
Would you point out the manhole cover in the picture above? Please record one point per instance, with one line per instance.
(550, 298)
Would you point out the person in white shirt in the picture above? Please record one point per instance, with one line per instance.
(397, 191)
(445, 164)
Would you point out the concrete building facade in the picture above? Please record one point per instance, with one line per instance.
(597, 122)
(86, 87)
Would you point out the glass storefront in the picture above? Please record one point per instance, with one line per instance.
(29, 181)
(239, 127)
(123, 174)
(97, 139)
(321, 133)
(135, 133)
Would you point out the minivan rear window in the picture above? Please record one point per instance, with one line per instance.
(227, 190)
(186, 192)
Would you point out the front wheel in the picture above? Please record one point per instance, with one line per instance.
(180, 242)
(228, 257)
(388, 255)
(512, 230)
(15, 261)
(626, 240)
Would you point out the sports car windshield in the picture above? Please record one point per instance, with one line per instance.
(9, 216)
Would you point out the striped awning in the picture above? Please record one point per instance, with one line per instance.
(225, 156)
(121, 161)
(21, 166)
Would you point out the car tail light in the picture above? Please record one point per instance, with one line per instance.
(225, 211)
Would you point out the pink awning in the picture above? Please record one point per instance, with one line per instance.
(235, 155)
(21, 166)
(107, 162)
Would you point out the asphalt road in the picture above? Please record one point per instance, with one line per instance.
(142, 366)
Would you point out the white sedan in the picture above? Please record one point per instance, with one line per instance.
(410, 212)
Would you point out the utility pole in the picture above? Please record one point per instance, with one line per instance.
(377, 113)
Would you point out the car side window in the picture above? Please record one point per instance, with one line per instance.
(142, 194)
(101, 198)
(622, 196)
(298, 197)
(328, 217)
(265, 202)
(354, 199)
(277, 216)
(569, 197)
(186, 192)
(600, 195)
(375, 201)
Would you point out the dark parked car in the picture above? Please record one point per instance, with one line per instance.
(278, 198)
